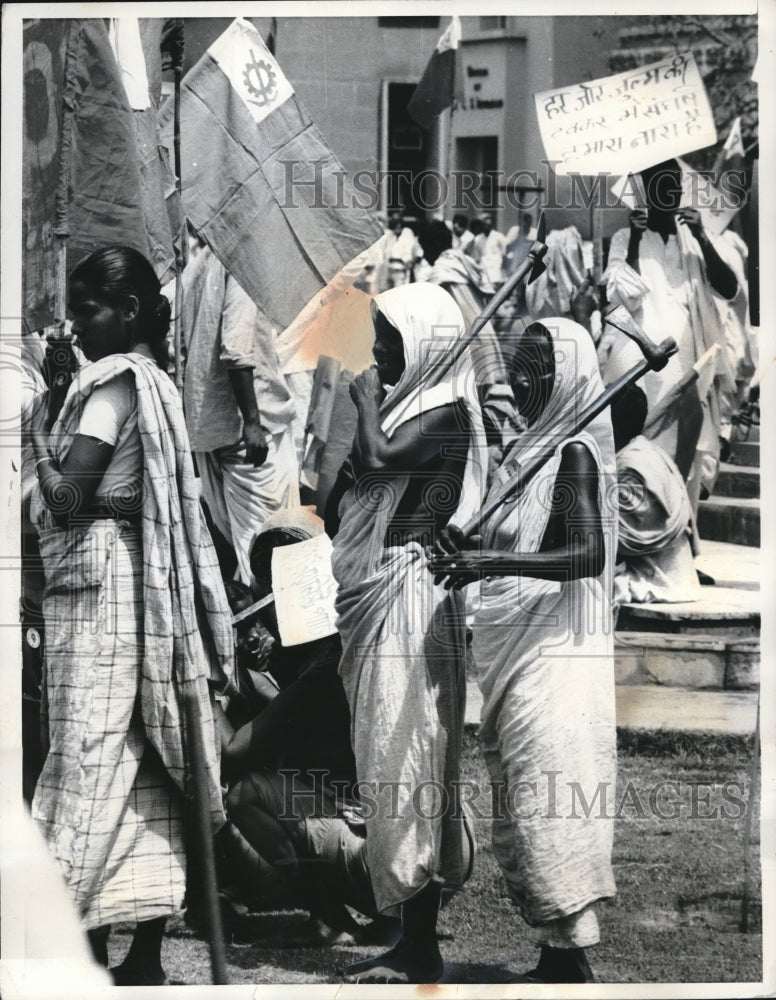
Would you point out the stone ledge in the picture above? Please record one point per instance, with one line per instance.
(687, 661)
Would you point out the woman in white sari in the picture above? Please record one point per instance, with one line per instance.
(419, 458)
(544, 647)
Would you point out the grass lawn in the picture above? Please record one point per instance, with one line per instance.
(679, 878)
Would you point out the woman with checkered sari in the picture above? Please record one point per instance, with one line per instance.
(136, 616)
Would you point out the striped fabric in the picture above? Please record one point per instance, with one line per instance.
(186, 624)
(110, 813)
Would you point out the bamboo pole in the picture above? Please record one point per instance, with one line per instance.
(204, 830)
(180, 249)
(62, 201)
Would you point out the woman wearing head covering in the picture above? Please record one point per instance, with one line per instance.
(544, 647)
(136, 616)
(418, 460)
(654, 527)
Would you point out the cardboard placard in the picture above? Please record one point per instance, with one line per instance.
(304, 589)
(624, 123)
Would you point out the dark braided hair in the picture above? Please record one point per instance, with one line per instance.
(118, 272)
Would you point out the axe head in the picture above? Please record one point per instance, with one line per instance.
(539, 267)
(538, 251)
(656, 355)
(541, 230)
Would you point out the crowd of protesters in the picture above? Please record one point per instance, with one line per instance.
(152, 525)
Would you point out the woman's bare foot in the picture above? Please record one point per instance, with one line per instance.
(98, 939)
(131, 974)
(143, 963)
(403, 964)
(562, 965)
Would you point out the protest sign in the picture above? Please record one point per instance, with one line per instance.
(304, 590)
(624, 123)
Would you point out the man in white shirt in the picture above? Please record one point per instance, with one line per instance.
(488, 250)
(238, 407)
(463, 237)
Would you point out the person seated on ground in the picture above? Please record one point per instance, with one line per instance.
(296, 836)
(254, 685)
(654, 553)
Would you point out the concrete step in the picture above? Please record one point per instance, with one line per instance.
(730, 519)
(691, 661)
(650, 706)
(729, 565)
(653, 707)
(737, 481)
(748, 433)
(722, 612)
(745, 453)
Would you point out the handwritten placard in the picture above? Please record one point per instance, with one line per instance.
(304, 590)
(624, 123)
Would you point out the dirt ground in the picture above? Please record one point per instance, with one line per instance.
(676, 917)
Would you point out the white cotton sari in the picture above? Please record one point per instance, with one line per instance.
(544, 652)
(403, 638)
(655, 528)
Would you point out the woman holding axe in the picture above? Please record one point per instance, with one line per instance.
(544, 644)
(418, 460)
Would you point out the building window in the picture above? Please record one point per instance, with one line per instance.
(414, 22)
(493, 23)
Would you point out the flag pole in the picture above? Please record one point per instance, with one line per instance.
(62, 203)
(449, 150)
(179, 250)
(203, 827)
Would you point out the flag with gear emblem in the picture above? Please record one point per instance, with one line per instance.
(259, 183)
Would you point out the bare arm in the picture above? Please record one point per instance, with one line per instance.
(573, 543)
(241, 380)
(637, 223)
(239, 327)
(721, 276)
(342, 484)
(69, 489)
(413, 443)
